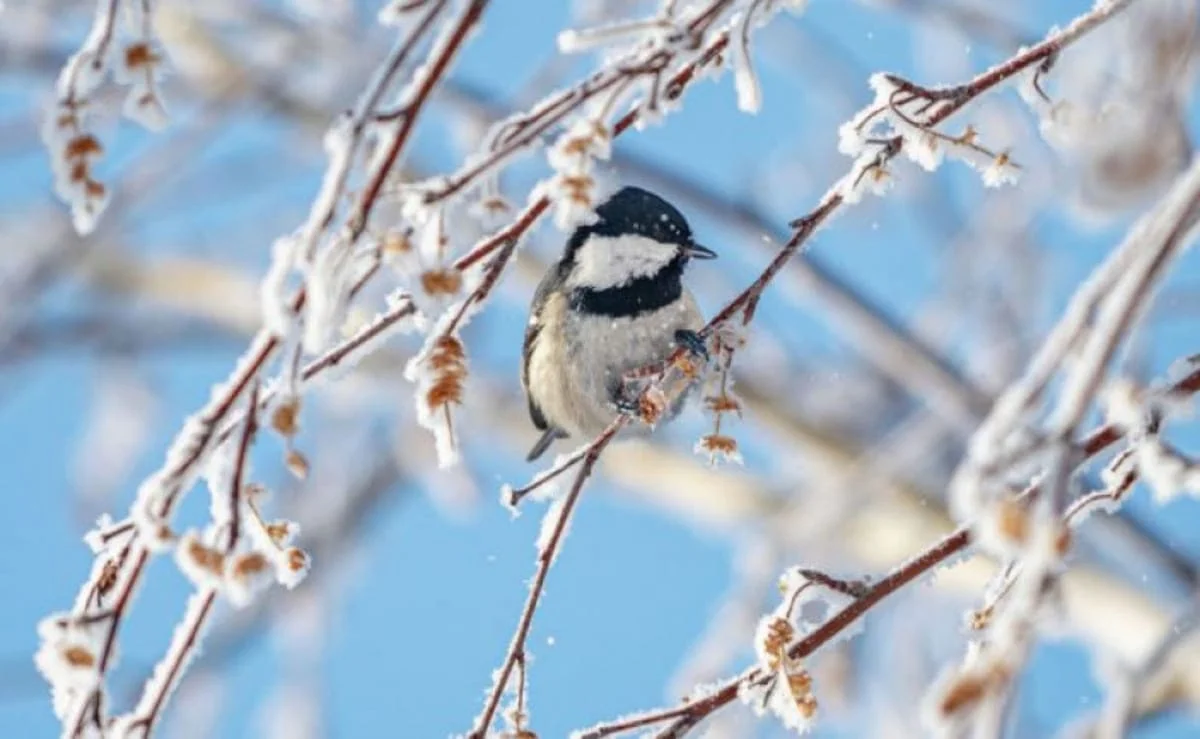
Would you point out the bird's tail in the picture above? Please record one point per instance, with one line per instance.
(548, 437)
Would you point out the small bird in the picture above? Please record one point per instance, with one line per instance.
(614, 302)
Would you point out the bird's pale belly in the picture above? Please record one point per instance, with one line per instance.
(579, 360)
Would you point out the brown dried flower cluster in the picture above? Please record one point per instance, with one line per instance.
(967, 689)
(204, 557)
(723, 404)
(779, 635)
(79, 657)
(296, 559)
(297, 464)
(108, 577)
(799, 686)
(583, 140)
(1012, 521)
(1014, 525)
(578, 188)
(687, 366)
(206, 566)
(448, 360)
(285, 419)
(279, 531)
(792, 676)
(719, 444)
(441, 282)
(981, 618)
(248, 566)
(141, 55)
(78, 155)
(397, 243)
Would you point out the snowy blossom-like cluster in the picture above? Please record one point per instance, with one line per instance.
(131, 54)
(439, 371)
(572, 189)
(898, 117)
(69, 657)
(1016, 608)
(787, 691)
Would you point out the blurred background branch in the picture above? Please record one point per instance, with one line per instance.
(872, 361)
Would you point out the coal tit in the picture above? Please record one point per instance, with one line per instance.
(613, 303)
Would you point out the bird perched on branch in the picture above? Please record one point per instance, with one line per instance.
(613, 303)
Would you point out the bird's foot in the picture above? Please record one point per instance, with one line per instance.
(693, 343)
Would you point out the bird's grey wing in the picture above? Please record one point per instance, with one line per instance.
(545, 288)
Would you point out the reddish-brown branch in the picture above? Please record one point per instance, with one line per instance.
(357, 221)
(335, 356)
(191, 642)
(100, 51)
(546, 556)
(518, 494)
(249, 426)
(374, 96)
(526, 128)
(118, 613)
(490, 278)
(200, 616)
(689, 716)
(956, 98)
(508, 234)
(178, 477)
(636, 721)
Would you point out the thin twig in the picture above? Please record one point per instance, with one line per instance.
(546, 556)
(952, 544)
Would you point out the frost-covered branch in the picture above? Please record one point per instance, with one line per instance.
(709, 699)
(417, 239)
(554, 528)
(649, 64)
(869, 167)
(121, 558)
(169, 671)
(67, 130)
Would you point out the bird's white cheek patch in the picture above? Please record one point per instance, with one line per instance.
(613, 261)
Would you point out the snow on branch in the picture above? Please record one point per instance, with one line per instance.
(205, 443)
(707, 699)
(911, 114)
(323, 266)
(131, 54)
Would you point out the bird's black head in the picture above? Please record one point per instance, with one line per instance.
(631, 259)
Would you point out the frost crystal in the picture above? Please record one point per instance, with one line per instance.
(551, 522)
(329, 282)
(170, 670)
(745, 81)
(1167, 472)
(277, 314)
(899, 112)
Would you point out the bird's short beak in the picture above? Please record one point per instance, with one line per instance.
(695, 251)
